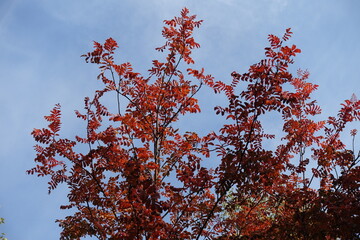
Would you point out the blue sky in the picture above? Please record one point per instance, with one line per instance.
(40, 46)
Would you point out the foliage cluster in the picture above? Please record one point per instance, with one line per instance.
(142, 178)
(2, 235)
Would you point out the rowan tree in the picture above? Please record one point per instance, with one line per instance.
(143, 178)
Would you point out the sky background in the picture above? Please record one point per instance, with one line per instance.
(40, 46)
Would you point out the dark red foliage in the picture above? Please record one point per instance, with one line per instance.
(142, 178)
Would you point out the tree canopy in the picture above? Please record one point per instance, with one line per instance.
(141, 177)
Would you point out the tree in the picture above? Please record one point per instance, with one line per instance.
(143, 178)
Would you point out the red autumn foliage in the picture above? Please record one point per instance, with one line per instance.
(142, 178)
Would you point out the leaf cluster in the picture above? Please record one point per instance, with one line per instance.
(143, 178)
